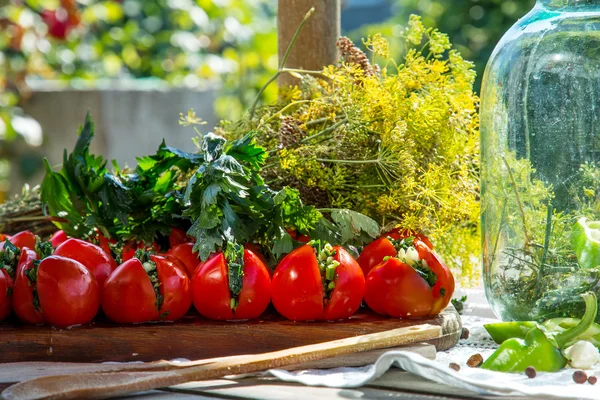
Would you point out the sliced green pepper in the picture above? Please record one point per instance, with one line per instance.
(501, 331)
(557, 325)
(585, 239)
(536, 350)
(540, 348)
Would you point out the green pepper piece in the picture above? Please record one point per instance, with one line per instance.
(563, 339)
(536, 350)
(557, 325)
(541, 350)
(585, 239)
(501, 331)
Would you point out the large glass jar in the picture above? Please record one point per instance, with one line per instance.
(540, 149)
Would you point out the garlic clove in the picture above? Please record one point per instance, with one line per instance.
(583, 355)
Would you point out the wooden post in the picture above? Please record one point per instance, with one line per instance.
(315, 47)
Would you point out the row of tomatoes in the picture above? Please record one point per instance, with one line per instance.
(397, 275)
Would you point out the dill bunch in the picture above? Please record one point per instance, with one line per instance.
(396, 141)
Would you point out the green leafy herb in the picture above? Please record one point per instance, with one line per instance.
(327, 265)
(234, 254)
(459, 304)
(31, 274)
(43, 249)
(142, 204)
(9, 257)
(425, 272)
(150, 268)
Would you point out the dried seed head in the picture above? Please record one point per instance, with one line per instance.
(580, 377)
(530, 372)
(475, 360)
(353, 55)
(290, 132)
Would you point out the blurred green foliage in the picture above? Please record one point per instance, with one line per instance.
(474, 26)
(185, 43)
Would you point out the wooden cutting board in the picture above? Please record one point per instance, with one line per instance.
(194, 337)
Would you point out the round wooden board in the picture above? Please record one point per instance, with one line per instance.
(194, 337)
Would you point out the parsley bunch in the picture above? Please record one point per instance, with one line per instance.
(141, 204)
(218, 191)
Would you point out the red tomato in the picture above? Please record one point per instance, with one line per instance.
(68, 292)
(24, 239)
(396, 289)
(58, 238)
(177, 263)
(184, 253)
(444, 286)
(129, 297)
(255, 248)
(4, 237)
(347, 295)
(96, 260)
(298, 292)
(9, 257)
(212, 297)
(210, 257)
(26, 256)
(25, 303)
(6, 285)
(177, 236)
(377, 250)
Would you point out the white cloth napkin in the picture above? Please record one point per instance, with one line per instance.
(551, 386)
(544, 385)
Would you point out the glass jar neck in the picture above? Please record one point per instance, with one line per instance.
(570, 4)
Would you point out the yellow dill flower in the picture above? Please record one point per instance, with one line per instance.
(415, 30)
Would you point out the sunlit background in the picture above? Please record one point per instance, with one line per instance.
(138, 63)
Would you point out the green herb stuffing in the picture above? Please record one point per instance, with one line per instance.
(9, 257)
(31, 274)
(150, 268)
(234, 254)
(327, 265)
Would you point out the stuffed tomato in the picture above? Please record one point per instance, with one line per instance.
(316, 282)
